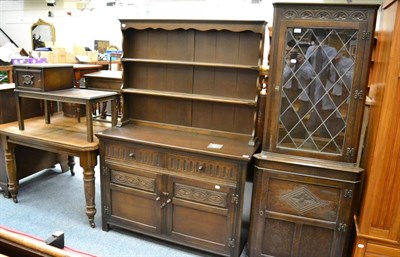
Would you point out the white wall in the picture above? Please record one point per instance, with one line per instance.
(100, 22)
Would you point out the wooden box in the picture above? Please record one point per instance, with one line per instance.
(43, 77)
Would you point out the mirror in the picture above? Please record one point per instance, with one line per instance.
(42, 32)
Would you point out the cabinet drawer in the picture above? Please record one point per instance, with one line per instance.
(198, 166)
(43, 77)
(29, 79)
(133, 153)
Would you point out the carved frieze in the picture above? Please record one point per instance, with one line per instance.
(135, 154)
(202, 167)
(328, 14)
(200, 195)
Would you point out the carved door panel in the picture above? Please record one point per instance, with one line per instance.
(296, 216)
(132, 197)
(201, 213)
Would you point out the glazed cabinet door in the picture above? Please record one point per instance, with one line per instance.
(296, 216)
(202, 214)
(131, 198)
(319, 68)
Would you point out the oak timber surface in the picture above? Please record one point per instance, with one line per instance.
(62, 131)
(233, 148)
(108, 74)
(71, 95)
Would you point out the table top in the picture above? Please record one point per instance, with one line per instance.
(63, 133)
(7, 86)
(108, 74)
(79, 66)
(43, 65)
(73, 95)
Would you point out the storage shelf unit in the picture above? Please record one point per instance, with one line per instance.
(177, 167)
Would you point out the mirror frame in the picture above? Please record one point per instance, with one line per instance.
(42, 22)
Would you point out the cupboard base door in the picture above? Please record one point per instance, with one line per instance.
(132, 200)
(202, 214)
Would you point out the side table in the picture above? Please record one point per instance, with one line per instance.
(63, 136)
(70, 95)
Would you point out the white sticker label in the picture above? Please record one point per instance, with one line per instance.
(297, 30)
(214, 146)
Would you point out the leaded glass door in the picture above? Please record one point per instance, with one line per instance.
(317, 107)
(317, 84)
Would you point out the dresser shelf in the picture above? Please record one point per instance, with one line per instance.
(192, 63)
(198, 97)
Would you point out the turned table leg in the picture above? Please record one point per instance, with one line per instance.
(88, 160)
(9, 152)
(71, 164)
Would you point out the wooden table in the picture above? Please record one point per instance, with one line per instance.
(77, 110)
(104, 80)
(28, 160)
(71, 95)
(64, 136)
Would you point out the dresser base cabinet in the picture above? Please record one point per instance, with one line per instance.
(187, 196)
(302, 209)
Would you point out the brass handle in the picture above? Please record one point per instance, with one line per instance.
(132, 155)
(200, 168)
(165, 193)
(158, 198)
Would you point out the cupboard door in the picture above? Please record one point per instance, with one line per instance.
(131, 199)
(298, 216)
(201, 214)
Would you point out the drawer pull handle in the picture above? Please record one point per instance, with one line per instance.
(165, 193)
(200, 168)
(132, 155)
(158, 198)
(165, 204)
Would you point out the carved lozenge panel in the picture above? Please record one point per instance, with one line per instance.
(303, 199)
(134, 181)
(200, 195)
